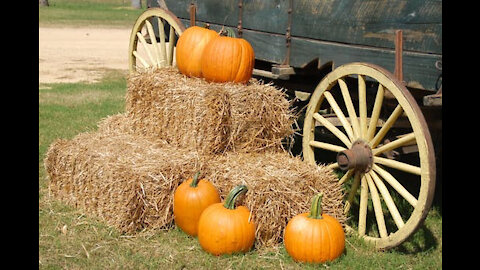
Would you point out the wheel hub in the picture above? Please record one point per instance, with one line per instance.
(359, 157)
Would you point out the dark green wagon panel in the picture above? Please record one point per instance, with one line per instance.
(333, 31)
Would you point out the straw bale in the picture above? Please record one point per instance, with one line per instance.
(209, 117)
(126, 172)
(129, 181)
(125, 180)
(280, 187)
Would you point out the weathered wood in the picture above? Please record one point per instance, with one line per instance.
(418, 68)
(335, 31)
(371, 22)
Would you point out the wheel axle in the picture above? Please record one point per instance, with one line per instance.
(359, 157)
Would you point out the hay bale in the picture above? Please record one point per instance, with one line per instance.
(125, 180)
(129, 181)
(280, 187)
(126, 172)
(209, 117)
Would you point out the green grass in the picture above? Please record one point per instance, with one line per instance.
(92, 13)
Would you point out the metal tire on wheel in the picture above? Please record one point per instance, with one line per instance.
(360, 131)
(154, 52)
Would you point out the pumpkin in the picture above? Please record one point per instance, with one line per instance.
(314, 237)
(190, 47)
(190, 199)
(228, 59)
(226, 229)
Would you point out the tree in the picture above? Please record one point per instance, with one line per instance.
(43, 3)
(137, 4)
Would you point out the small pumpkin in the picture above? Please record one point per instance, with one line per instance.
(190, 47)
(228, 59)
(190, 199)
(226, 229)
(314, 237)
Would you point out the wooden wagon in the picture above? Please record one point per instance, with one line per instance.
(369, 73)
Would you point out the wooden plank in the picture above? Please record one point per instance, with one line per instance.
(419, 69)
(371, 22)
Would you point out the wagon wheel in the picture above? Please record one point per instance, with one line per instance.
(358, 135)
(158, 51)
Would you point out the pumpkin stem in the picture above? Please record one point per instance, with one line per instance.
(232, 196)
(195, 180)
(316, 208)
(227, 31)
(206, 25)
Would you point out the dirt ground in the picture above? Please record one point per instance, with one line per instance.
(81, 54)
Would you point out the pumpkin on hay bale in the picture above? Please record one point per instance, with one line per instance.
(127, 171)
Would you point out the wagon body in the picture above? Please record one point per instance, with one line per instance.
(332, 32)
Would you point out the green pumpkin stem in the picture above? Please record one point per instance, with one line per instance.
(232, 196)
(195, 180)
(227, 31)
(316, 208)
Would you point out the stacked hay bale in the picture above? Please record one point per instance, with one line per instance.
(127, 171)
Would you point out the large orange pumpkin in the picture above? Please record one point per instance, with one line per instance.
(226, 229)
(190, 47)
(314, 237)
(228, 59)
(190, 199)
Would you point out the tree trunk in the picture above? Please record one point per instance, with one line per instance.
(43, 3)
(137, 4)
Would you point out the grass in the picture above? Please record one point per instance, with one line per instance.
(69, 239)
(92, 13)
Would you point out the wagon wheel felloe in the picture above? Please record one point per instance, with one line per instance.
(153, 39)
(359, 132)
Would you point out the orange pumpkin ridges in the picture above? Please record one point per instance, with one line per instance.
(226, 229)
(228, 59)
(190, 47)
(190, 199)
(314, 237)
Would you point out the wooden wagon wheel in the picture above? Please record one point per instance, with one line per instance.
(154, 52)
(359, 131)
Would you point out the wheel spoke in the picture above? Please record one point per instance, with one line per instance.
(340, 115)
(153, 39)
(398, 165)
(144, 63)
(145, 46)
(346, 176)
(386, 127)
(362, 216)
(376, 112)
(350, 108)
(377, 207)
(362, 97)
(395, 184)
(333, 129)
(171, 41)
(333, 166)
(327, 146)
(404, 140)
(352, 192)
(397, 218)
(163, 48)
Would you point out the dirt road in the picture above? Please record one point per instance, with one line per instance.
(81, 54)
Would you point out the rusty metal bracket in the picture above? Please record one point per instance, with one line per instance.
(193, 10)
(399, 55)
(240, 14)
(288, 35)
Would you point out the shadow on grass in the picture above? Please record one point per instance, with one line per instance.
(422, 241)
